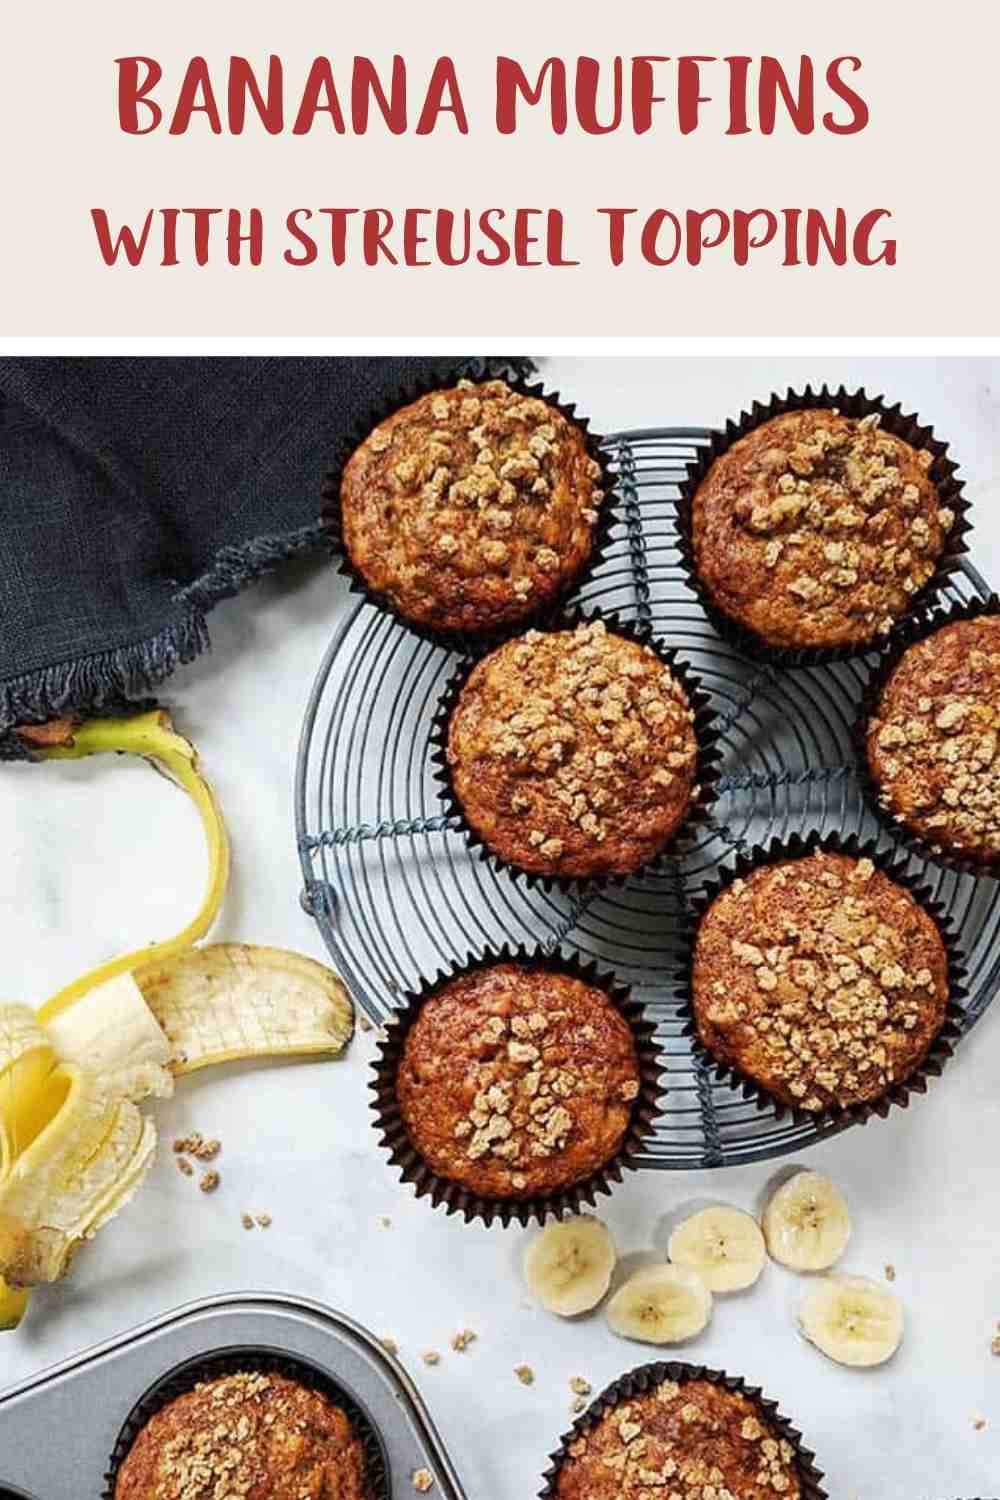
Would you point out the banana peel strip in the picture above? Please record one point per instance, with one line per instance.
(227, 1001)
(152, 736)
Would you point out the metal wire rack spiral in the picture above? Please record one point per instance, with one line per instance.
(396, 893)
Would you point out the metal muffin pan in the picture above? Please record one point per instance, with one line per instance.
(58, 1429)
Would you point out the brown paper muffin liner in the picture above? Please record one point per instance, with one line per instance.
(878, 677)
(852, 404)
(331, 513)
(453, 1196)
(941, 1048)
(637, 1382)
(231, 1361)
(706, 734)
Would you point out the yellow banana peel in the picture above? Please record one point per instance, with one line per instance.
(152, 736)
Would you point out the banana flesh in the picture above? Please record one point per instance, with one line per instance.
(806, 1223)
(852, 1320)
(568, 1267)
(231, 1000)
(112, 1032)
(724, 1246)
(72, 1178)
(661, 1305)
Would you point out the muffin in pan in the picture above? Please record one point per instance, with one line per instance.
(820, 979)
(816, 530)
(933, 741)
(517, 1080)
(573, 753)
(473, 508)
(682, 1437)
(259, 1435)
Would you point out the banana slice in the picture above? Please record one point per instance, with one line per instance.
(723, 1245)
(806, 1223)
(112, 1032)
(568, 1267)
(852, 1320)
(80, 1170)
(232, 1000)
(661, 1305)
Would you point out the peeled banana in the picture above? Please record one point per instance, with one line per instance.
(661, 1305)
(73, 1146)
(723, 1245)
(806, 1223)
(852, 1320)
(568, 1267)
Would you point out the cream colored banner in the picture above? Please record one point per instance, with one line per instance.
(705, 179)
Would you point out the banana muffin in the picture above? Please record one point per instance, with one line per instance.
(820, 979)
(573, 753)
(260, 1436)
(516, 1081)
(685, 1439)
(472, 508)
(932, 740)
(817, 529)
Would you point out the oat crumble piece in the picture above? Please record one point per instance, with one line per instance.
(890, 1273)
(423, 1480)
(247, 1221)
(462, 1340)
(209, 1181)
(263, 1221)
(525, 1374)
(389, 1345)
(431, 1357)
(184, 1167)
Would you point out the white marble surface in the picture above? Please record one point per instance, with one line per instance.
(101, 855)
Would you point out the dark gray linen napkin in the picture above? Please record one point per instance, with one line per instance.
(135, 493)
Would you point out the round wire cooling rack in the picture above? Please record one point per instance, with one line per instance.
(397, 894)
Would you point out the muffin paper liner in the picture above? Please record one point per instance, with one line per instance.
(878, 678)
(706, 734)
(231, 1361)
(331, 513)
(453, 1196)
(637, 1382)
(941, 1048)
(856, 404)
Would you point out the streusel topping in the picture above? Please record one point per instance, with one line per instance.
(933, 741)
(818, 529)
(574, 751)
(681, 1441)
(515, 1080)
(472, 506)
(820, 978)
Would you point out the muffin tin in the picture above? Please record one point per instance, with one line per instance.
(397, 896)
(85, 1400)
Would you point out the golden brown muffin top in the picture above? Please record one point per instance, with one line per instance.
(471, 507)
(816, 529)
(932, 742)
(573, 752)
(820, 978)
(517, 1081)
(261, 1437)
(681, 1441)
